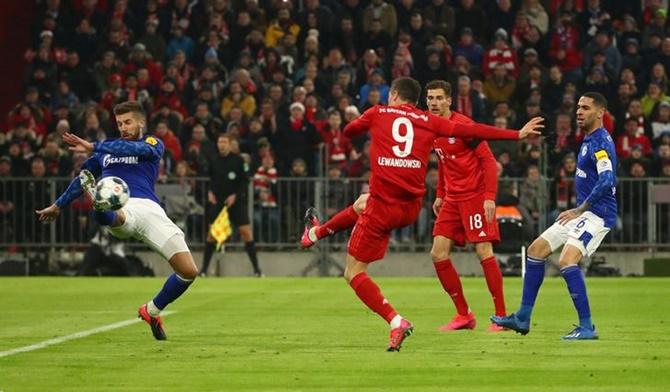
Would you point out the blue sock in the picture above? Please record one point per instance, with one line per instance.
(105, 218)
(577, 287)
(531, 286)
(173, 288)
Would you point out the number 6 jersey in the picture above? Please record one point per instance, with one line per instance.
(402, 137)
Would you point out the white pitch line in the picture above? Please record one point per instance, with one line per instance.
(76, 335)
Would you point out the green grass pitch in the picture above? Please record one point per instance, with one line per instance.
(288, 334)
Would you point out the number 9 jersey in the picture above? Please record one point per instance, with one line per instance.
(402, 138)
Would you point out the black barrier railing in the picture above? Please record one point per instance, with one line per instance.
(644, 211)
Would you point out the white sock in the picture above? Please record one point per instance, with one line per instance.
(152, 309)
(311, 234)
(395, 322)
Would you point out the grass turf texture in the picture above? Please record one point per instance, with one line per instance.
(310, 333)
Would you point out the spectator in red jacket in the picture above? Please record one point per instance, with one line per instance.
(169, 139)
(625, 142)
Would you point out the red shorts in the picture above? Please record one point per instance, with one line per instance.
(370, 237)
(465, 220)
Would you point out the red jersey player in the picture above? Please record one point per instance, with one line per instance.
(402, 137)
(465, 209)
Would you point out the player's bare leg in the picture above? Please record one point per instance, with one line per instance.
(537, 254)
(494, 280)
(343, 220)
(574, 278)
(451, 283)
(176, 284)
(250, 247)
(369, 293)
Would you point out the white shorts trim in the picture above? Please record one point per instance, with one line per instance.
(585, 232)
(146, 221)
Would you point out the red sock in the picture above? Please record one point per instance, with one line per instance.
(343, 220)
(495, 283)
(452, 284)
(372, 297)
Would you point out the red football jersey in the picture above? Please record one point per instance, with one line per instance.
(467, 166)
(401, 140)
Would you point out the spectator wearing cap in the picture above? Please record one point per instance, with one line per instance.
(375, 81)
(383, 12)
(628, 29)
(530, 58)
(500, 53)
(404, 9)
(625, 142)
(661, 123)
(469, 48)
(602, 45)
(653, 97)
(281, 26)
(662, 158)
(296, 138)
(440, 18)
(564, 47)
(473, 16)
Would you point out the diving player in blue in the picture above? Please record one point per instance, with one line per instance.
(580, 229)
(135, 159)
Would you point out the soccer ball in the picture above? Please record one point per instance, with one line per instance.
(111, 193)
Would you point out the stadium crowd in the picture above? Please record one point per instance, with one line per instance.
(284, 76)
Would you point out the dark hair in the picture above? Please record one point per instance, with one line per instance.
(129, 107)
(598, 99)
(408, 89)
(444, 85)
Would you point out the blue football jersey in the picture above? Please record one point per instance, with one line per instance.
(597, 155)
(134, 161)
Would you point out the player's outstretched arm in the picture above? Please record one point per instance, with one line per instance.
(486, 132)
(48, 214)
(361, 124)
(73, 191)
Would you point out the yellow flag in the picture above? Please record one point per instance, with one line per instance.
(221, 228)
